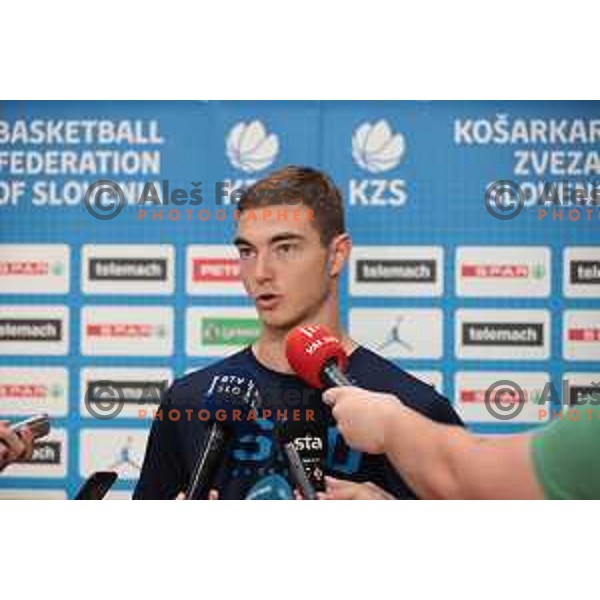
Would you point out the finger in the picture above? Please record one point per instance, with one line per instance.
(213, 495)
(26, 436)
(181, 496)
(16, 448)
(331, 396)
(298, 495)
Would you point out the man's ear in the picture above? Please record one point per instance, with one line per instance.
(339, 253)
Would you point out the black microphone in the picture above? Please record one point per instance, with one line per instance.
(226, 393)
(96, 486)
(304, 444)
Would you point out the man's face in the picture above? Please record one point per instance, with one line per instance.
(283, 264)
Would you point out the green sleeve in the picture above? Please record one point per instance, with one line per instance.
(566, 453)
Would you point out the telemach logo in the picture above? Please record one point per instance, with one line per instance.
(503, 334)
(396, 271)
(30, 330)
(584, 394)
(229, 331)
(503, 271)
(584, 334)
(129, 392)
(215, 270)
(128, 269)
(45, 453)
(585, 272)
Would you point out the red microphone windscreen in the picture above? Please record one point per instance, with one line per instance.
(308, 349)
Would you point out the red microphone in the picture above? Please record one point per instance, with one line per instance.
(317, 356)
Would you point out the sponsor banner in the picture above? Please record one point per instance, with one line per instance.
(220, 331)
(581, 335)
(26, 494)
(25, 391)
(127, 330)
(104, 390)
(581, 275)
(34, 330)
(49, 458)
(399, 333)
(471, 387)
(502, 334)
(584, 389)
(119, 450)
(392, 271)
(432, 378)
(503, 271)
(113, 269)
(213, 270)
(34, 268)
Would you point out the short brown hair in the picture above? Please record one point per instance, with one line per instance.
(294, 185)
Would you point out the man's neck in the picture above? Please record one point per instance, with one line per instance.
(269, 349)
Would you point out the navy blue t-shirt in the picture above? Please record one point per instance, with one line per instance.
(255, 453)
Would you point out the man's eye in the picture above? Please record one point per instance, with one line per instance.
(284, 249)
(245, 253)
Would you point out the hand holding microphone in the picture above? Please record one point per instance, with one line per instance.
(318, 357)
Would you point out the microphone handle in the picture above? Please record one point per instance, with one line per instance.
(298, 473)
(207, 463)
(333, 377)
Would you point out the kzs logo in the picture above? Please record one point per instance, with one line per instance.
(250, 148)
(377, 149)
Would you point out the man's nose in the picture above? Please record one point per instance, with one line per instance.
(263, 269)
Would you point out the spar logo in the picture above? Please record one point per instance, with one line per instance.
(26, 390)
(502, 334)
(30, 268)
(582, 272)
(219, 331)
(486, 396)
(127, 269)
(581, 335)
(127, 330)
(396, 271)
(503, 271)
(35, 268)
(377, 149)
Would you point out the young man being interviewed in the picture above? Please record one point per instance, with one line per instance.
(293, 247)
